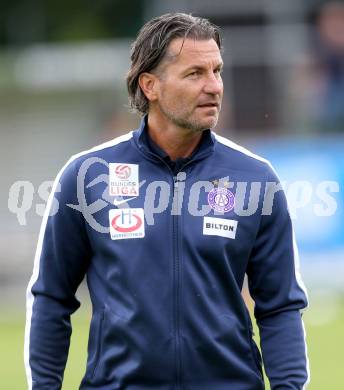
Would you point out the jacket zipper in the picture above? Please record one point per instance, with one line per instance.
(176, 266)
(176, 275)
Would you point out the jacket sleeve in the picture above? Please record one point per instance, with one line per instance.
(279, 294)
(62, 256)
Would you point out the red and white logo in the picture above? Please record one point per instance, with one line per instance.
(126, 223)
(122, 171)
(123, 179)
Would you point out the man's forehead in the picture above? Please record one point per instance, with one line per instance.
(182, 49)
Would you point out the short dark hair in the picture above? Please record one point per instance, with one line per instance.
(150, 46)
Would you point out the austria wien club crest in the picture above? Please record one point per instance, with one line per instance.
(221, 199)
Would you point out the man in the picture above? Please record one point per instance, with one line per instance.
(165, 256)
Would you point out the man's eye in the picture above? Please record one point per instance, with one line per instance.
(194, 73)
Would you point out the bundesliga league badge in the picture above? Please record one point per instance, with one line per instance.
(124, 179)
(221, 200)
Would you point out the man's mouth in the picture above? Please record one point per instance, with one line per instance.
(210, 104)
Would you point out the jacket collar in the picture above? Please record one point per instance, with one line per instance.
(152, 151)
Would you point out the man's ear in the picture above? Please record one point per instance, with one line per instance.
(149, 85)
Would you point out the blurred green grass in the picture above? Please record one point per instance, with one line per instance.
(324, 339)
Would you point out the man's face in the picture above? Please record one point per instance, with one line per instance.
(190, 86)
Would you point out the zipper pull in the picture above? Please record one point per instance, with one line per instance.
(178, 192)
(181, 176)
(175, 182)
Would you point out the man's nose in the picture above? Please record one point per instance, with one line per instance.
(213, 85)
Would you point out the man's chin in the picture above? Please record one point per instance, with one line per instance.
(208, 123)
(197, 124)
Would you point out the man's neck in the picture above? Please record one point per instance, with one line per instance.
(175, 141)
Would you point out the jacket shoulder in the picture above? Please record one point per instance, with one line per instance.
(243, 159)
(103, 149)
(101, 153)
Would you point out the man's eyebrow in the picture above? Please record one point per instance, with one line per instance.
(201, 67)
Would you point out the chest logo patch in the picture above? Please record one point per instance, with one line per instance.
(126, 223)
(219, 227)
(221, 200)
(123, 179)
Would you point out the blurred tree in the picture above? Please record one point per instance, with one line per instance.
(24, 22)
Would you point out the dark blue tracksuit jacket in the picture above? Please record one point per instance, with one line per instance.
(165, 249)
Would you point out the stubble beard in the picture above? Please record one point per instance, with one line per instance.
(184, 120)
